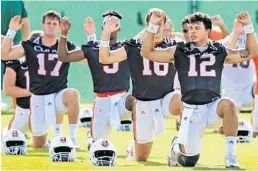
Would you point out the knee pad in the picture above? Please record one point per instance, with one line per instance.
(188, 161)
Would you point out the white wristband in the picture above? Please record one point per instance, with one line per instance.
(153, 28)
(10, 33)
(249, 28)
(91, 37)
(103, 43)
(63, 36)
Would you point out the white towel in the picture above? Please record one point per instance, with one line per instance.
(158, 118)
(241, 42)
(115, 119)
(184, 126)
(50, 114)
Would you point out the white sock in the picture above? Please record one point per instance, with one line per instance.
(57, 129)
(73, 130)
(231, 145)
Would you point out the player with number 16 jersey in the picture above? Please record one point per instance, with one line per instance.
(152, 87)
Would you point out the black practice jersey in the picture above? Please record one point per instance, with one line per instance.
(106, 78)
(22, 80)
(47, 74)
(199, 71)
(151, 80)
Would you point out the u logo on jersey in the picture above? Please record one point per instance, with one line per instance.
(39, 48)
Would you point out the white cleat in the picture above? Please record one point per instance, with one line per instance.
(231, 162)
(130, 152)
(172, 161)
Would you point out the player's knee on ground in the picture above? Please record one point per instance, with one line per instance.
(129, 102)
(141, 158)
(142, 151)
(188, 161)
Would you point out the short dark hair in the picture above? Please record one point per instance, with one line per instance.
(51, 14)
(148, 15)
(201, 17)
(112, 13)
(185, 20)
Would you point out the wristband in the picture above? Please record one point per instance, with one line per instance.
(103, 43)
(249, 28)
(153, 28)
(91, 37)
(10, 33)
(63, 36)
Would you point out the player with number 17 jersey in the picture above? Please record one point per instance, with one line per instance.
(47, 74)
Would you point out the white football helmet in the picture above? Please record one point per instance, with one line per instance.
(103, 153)
(126, 125)
(85, 117)
(62, 149)
(14, 142)
(245, 131)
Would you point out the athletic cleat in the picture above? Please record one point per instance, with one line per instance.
(172, 161)
(231, 162)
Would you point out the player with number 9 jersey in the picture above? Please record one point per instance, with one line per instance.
(106, 78)
(111, 82)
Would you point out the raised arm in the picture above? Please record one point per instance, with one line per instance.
(7, 51)
(105, 55)
(251, 41)
(148, 50)
(25, 28)
(63, 54)
(219, 22)
(90, 29)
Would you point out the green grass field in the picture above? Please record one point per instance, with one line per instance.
(212, 155)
